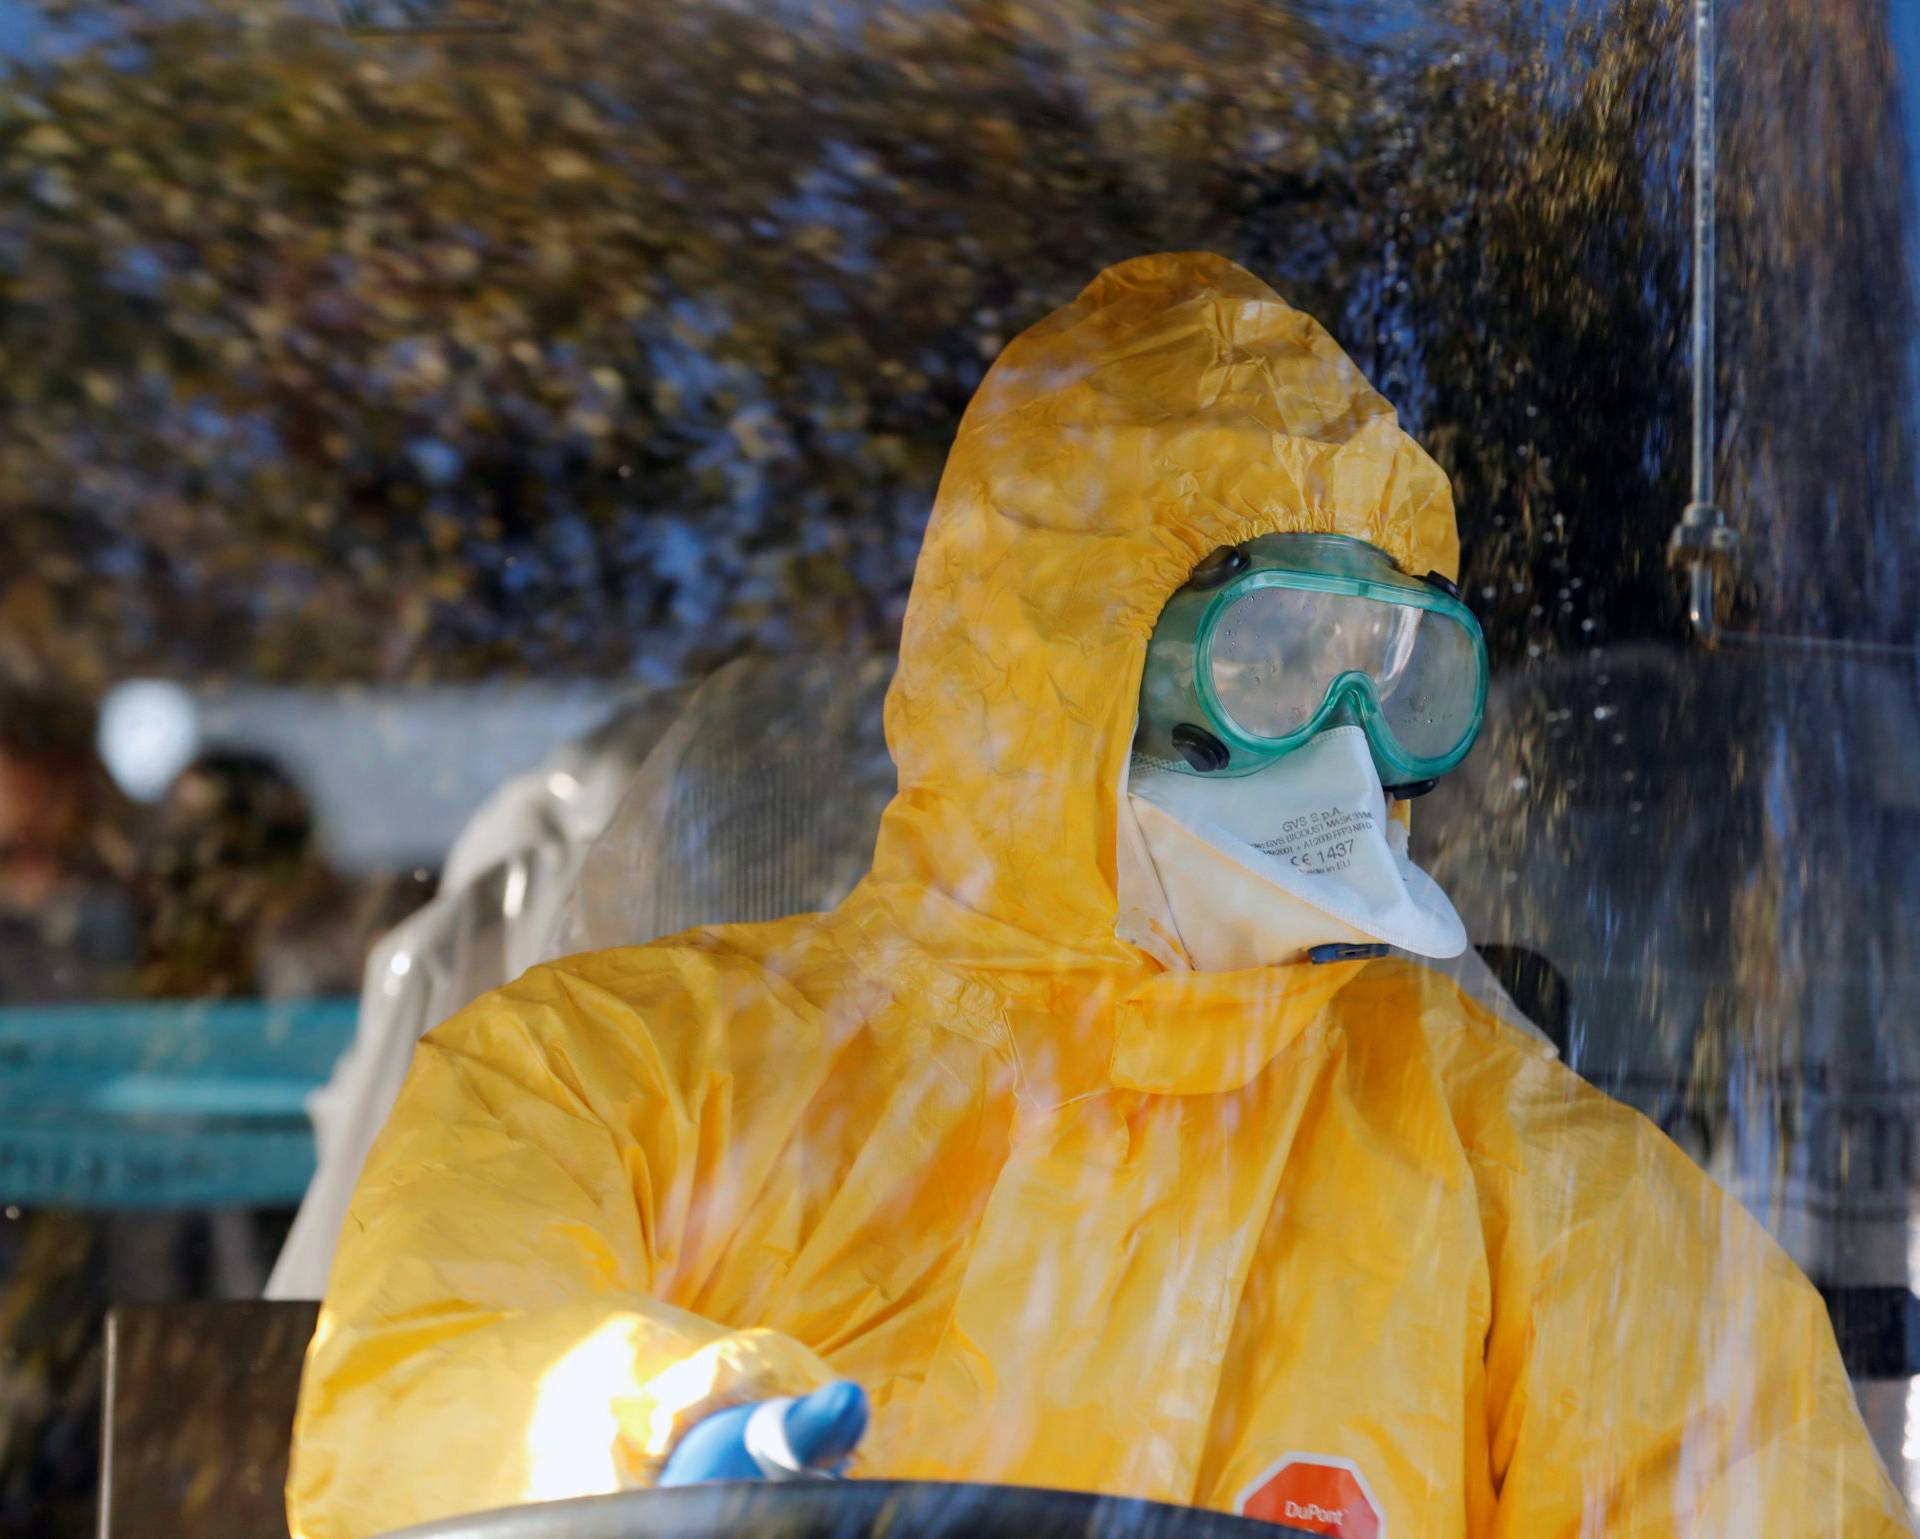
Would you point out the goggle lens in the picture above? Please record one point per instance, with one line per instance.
(1278, 650)
(1431, 706)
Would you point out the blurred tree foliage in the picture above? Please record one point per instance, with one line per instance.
(634, 339)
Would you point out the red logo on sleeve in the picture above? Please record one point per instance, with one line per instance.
(1315, 1494)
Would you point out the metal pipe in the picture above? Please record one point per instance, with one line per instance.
(1701, 541)
(1703, 253)
(1846, 648)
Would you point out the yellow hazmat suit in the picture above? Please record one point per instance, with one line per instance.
(1322, 1243)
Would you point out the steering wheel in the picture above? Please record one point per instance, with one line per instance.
(849, 1509)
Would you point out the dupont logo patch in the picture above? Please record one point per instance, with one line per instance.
(1315, 1494)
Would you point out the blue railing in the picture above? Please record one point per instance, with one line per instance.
(163, 1105)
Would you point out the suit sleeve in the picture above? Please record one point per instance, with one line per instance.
(497, 1328)
(1657, 1366)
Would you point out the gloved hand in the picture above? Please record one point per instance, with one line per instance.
(785, 1439)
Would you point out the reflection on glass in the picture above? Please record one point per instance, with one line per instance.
(435, 396)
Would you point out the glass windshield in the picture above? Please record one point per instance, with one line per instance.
(464, 468)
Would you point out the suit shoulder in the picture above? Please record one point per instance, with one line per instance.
(679, 1006)
(1513, 1100)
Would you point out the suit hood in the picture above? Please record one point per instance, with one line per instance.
(1177, 405)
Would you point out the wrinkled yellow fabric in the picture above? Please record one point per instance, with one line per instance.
(1073, 1220)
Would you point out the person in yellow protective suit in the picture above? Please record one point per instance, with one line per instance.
(1074, 1209)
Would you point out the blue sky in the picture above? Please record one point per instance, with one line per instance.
(16, 25)
(1904, 24)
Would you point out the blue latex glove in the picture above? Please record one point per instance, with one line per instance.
(805, 1439)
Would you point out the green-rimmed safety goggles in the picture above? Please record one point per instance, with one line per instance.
(1275, 640)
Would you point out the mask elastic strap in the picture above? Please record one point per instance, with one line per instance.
(1347, 951)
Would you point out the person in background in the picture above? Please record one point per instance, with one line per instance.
(69, 923)
(243, 902)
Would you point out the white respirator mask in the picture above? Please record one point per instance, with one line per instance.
(1263, 868)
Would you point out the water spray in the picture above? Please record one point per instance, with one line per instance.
(1702, 541)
